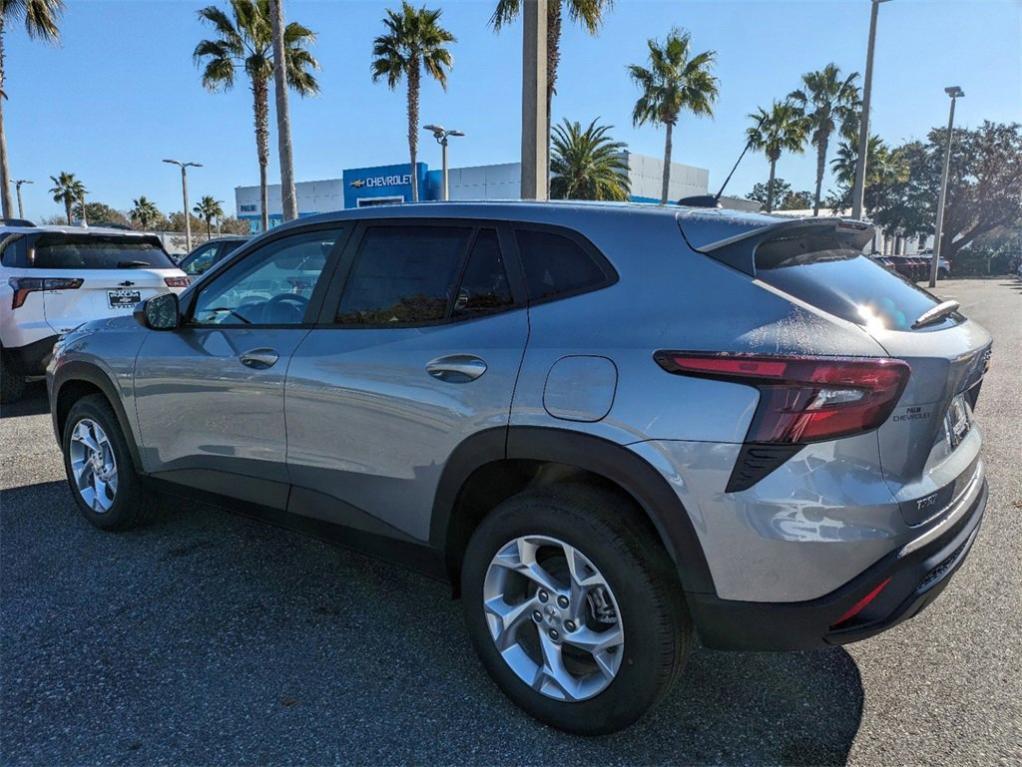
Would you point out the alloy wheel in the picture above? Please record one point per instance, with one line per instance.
(93, 465)
(553, 618)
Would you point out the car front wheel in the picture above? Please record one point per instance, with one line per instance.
(99, 468)
(574, 608)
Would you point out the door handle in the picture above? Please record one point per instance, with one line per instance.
(259, 359)
(456, 368)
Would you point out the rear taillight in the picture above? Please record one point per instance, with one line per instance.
(177, 282)
(802, 400)
(22, 286)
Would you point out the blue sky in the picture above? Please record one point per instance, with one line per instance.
(120, 91)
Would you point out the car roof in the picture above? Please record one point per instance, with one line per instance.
(62, 229)
(528, 209)
(701, 226)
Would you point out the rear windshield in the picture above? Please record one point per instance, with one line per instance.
(849, 285)
(59, 251)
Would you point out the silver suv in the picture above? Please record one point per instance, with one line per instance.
(614, 428)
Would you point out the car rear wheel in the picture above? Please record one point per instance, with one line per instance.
(12, 384)
(99, 468)
(574, 608)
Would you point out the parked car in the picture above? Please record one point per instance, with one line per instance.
(204, 256)
(613, 428)
(54, 278)
(943, 265)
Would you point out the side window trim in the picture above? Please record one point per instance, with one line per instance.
(346, 261)
(319, 292)
(610, 274)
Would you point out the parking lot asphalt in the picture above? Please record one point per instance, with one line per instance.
(208, 638)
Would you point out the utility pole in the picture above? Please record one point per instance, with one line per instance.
(17, 187)
(938, 238)
(534, 85)
(859, 187)
(288, 196)
(184, 196)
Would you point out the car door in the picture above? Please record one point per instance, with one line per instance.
(428, 330)
(210, 394)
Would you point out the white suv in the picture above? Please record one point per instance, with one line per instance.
(54, 278)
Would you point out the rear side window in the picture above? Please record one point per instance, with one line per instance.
(850, 285)
(484, 286)
(556, 265)
(60, 251)
(403, 275)
(14, 254)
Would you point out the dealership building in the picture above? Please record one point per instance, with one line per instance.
(392, 184)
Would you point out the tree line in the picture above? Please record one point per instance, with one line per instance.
(587, 162)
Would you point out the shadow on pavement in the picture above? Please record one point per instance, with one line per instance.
(206, 637)
(33, 402)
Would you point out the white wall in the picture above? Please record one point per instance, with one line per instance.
(486, 182)
(646, 175)
(313, 197)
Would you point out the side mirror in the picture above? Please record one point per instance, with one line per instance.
(160, 312)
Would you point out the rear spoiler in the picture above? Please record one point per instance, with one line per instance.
(787, 240)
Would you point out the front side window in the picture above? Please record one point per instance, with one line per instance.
(270, 286)
(403, 275)
(556, 265)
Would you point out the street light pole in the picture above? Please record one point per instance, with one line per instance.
(17, 187)
(441, 135)
(859, 188)
(938, 239)
(184, 196)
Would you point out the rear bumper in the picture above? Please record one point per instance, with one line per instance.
(31, 359)
(915, 575)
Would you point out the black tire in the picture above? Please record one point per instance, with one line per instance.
(131, 501)
(657, 628)
(12, 383)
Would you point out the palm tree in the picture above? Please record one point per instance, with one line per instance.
(68, 190)
(144, 212)
(246, 43)
(827, 100)
(40, 18)
(414, 40)
(782, 128)
(588, 13)
(285, 153)
(884, 168)
(587, 164)
(674, 82)
(207, 209)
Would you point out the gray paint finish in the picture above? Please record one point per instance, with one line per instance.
(367, 423)
(580, 388)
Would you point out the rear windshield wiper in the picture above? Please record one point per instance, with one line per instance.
(936, 314)
(132, 264)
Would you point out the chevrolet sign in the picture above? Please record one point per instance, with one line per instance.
(379, 181)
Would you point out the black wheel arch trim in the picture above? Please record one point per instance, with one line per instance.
(77, 370)
(591, 453)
